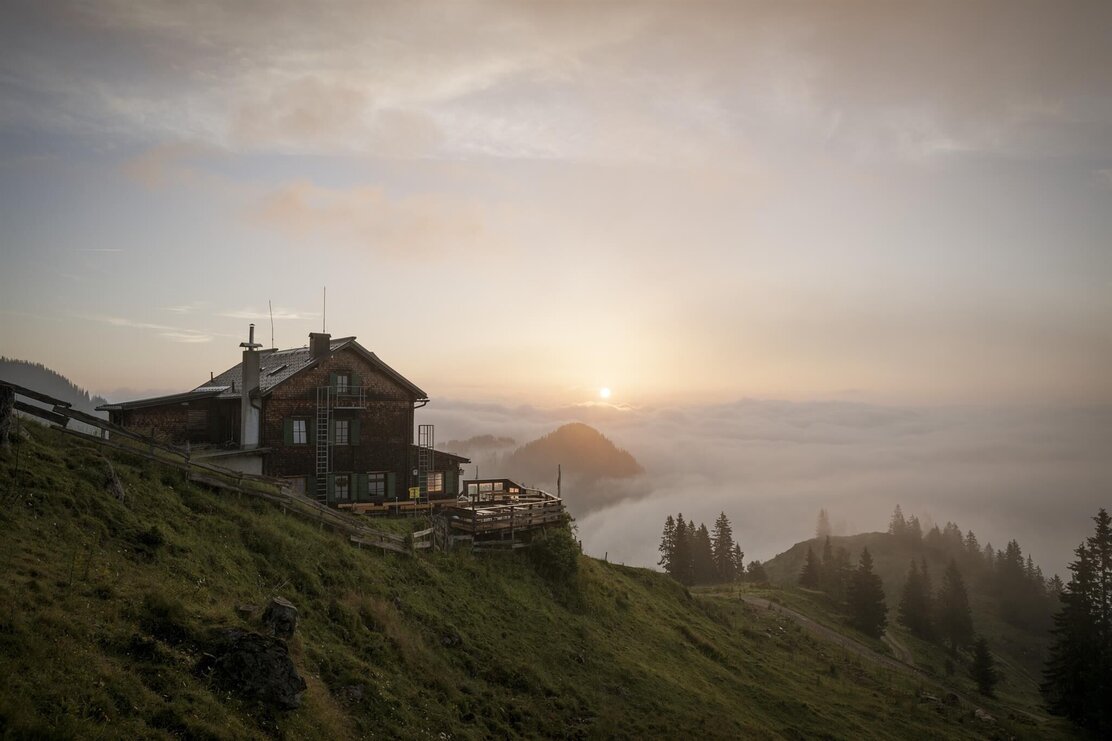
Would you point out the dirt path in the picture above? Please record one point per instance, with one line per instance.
(908, 666)
(834, 636)
(898, 649)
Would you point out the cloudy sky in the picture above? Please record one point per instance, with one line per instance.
(519, 203)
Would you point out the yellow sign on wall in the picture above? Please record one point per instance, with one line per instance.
(414, 492)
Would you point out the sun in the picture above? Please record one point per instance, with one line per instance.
(604, 393)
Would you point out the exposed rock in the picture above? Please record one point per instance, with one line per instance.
(351, 694)
(255, 667)
(982, 716)
(281, 617)
(927, 697)
(247, 611)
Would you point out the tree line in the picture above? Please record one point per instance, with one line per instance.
(1077, 682)
(943, 615)
(1024, 597)
(695, 555)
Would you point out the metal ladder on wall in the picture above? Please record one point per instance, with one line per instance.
(324, 449)
(424, 457)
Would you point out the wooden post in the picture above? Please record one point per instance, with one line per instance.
(7, 413)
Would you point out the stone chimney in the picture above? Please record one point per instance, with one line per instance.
(320, 344)
(249, 382)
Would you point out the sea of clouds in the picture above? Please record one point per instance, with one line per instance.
(1036, 474)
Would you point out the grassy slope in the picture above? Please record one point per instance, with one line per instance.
(102, 619)
(1020, 653)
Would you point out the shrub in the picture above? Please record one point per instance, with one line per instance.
(555, 557)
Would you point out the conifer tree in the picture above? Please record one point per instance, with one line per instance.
(915, 604)
(738, 559)
(756, 572)
(822, 527)
(972, 547)
(867, 609)
(837, 574)
(914, 530)
(1078, 675)
(810, 576)
(668, 546)
(826, 566)
(983, 669)
(722, 549)
(897, 525)
(955, 621)
(702, 561)
(682, 555)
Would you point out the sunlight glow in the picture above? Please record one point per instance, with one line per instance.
(604, 393)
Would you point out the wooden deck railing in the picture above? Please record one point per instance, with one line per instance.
(502, 518)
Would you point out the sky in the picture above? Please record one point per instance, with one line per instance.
(692, 204)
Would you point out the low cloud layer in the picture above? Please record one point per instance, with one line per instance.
(1035, 474)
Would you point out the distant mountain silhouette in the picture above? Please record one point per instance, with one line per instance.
(478, 445)
(585, 454)
(38, 377)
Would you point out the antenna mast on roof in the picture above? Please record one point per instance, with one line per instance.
(324, 311)
(271, 307)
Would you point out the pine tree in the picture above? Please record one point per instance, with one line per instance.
(668, 546)
(867, 609)
(702, 560)
(738, 559)
(865, 597)
(684, 572)
(837, 574)
(822, 527)
(915, 604)
(983, 669)
(914, 530)
(955, 621)
(1073, 662)
(826, 566)
(1078, 676)
(722, 549)
(972, 547)
(756, 572)
(810, 576)
(897, 525)
(1055, 587)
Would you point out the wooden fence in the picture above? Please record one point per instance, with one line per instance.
(483, 527)
(261, 487)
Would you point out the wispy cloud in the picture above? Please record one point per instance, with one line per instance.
(174, 334)
(370, 218)
(279, 313)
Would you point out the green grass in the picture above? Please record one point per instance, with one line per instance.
(105, 607)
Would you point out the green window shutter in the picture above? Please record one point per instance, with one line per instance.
(332, 432)
(391, 481)
(360, 487)
(331, 488)
(353, 432)
(332, 381)
(353, 380)
(450, 484)
(287, 431)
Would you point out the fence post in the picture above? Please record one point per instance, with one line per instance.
(7, 405)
